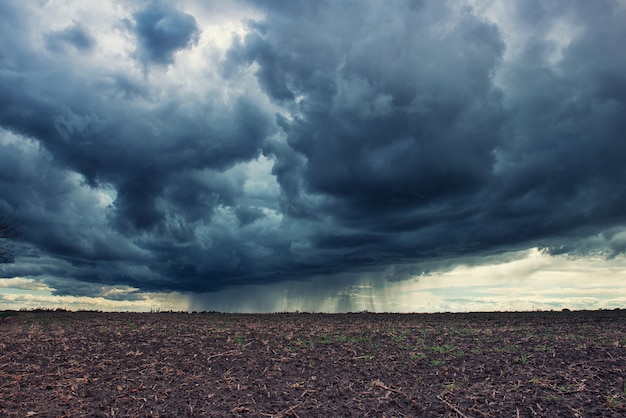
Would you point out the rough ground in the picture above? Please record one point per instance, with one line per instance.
(541, 364)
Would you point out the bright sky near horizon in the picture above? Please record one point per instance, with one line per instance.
(261, 156)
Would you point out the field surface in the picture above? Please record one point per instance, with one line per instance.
(540, 364)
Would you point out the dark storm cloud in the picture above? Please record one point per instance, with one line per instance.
(561, 166)
(162, 30)
(400, 128)
(70, 136)
(339, 138)
(396, 117)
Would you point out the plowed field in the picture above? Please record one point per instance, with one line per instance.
(540, 364)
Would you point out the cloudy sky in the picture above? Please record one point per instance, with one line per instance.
(326, 156)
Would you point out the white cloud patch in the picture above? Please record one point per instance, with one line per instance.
(21, 283)
(11, 299)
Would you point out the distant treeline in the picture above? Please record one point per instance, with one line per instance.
(297, 312)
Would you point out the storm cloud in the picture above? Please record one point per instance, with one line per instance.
(163, 30)
(194, 147)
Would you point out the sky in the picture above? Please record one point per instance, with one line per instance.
(260, 156)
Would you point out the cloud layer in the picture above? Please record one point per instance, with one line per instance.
(199, 147)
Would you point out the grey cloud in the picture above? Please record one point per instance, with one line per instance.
(74, 36)
(249, 214)
(400, 136)
(402, 130)
(58, 212)
(271, 74)
(387, 122)
(162, 166)
(96, 141)
(162, 30)
(561, 166)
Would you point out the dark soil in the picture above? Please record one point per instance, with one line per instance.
(540, 364)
